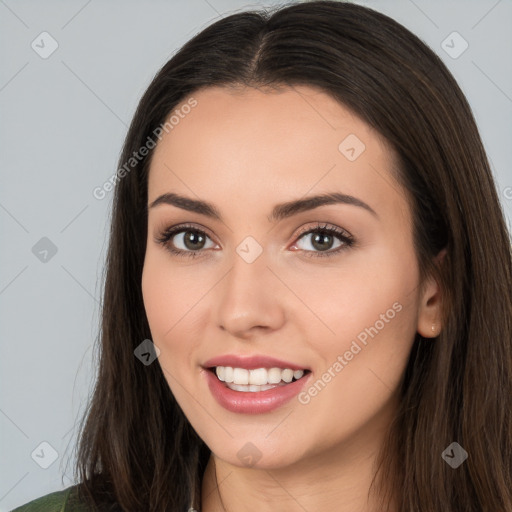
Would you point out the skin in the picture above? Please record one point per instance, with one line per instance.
(245, 151)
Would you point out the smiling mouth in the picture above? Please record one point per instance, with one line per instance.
(259, 379)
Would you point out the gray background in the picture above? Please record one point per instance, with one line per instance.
(63, 120)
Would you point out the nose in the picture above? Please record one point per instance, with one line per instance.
(250, 299)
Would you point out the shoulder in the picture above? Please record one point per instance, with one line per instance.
(60, 501)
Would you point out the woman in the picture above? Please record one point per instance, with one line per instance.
(308, 299)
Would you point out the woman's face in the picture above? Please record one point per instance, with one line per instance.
(266, 279)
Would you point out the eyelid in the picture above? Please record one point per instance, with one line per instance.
(178, 228)
(324, 226)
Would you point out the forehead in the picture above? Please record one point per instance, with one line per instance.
(255, 145)
(249, 117)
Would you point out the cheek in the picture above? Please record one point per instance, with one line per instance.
(172, 301)
(368, 317)
(168, 296)
(371, 306)
(371, 312)
(364, 292)
(163, 305)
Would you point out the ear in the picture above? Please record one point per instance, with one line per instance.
(429, 307)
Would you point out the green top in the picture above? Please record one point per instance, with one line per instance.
(60, 501)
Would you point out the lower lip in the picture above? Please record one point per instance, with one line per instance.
(256, 402)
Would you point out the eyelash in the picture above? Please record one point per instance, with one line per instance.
(347, 240)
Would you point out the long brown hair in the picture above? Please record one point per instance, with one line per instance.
(138, 450)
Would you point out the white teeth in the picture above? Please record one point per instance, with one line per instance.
(228, 374)
(274, 375)
(287, 375)
(250, 388)
(240, 376)
(258, 378)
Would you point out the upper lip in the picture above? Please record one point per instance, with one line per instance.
(251, 362)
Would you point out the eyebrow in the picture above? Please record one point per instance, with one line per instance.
(279, 212)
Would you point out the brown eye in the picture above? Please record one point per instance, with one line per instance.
(324, 241)
(193, 240)
(185, 240)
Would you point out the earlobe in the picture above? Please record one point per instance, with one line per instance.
(429, 313)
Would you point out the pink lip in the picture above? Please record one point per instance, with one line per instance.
(251, 362)
(253, 402)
